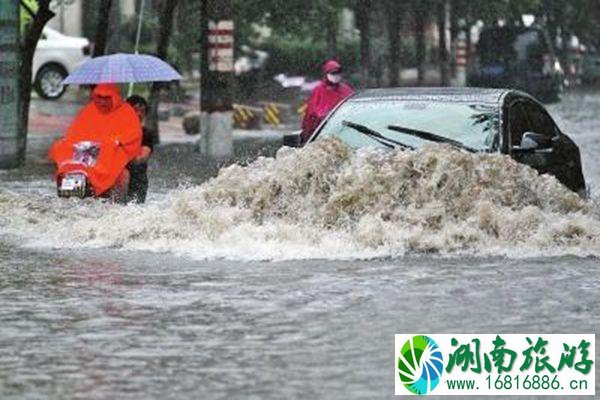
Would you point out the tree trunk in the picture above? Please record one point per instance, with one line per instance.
(102, 27)
(420, 42)
(162, 47)
(394, 19)
(442, 14)
(28, 45)
(363, 17)
(113, 44)
(332, 30)
(453, 35)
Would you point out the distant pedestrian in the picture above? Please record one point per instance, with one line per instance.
(328, 94)
(138, 167)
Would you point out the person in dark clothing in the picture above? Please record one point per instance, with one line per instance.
(138, 167)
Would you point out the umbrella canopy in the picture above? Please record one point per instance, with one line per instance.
(122, 68)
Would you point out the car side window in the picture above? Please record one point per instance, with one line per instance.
(517, 123)
(540, 121)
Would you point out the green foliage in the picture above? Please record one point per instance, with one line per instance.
(147, 33)
(294, 55)
(491, 11)
(305, 18)
(184, 39)
(186, 33)
(26, 17)
(579, 17)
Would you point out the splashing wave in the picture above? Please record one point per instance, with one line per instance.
(328, 201)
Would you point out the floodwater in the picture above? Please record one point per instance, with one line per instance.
(289, 278)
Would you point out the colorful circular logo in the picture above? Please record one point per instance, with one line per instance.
(420, 364)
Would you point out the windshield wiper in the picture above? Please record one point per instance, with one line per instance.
(432, 137)
(365, 130)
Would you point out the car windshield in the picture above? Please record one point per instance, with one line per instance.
(475, 126)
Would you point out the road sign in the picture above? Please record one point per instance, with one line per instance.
(220, 46)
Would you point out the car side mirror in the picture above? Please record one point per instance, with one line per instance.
(292, 139)
(532, 141)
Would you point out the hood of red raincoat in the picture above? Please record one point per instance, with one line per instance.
(109, 90)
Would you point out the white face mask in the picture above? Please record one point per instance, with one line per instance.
(334, 78)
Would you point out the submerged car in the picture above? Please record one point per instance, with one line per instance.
(519, 58)
(473, 119)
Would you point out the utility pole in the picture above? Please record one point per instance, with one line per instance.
(12, 137)
(217, 79)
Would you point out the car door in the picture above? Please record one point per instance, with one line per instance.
(565, 160)
(554, 154)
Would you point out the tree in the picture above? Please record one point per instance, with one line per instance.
(331, 26)
(363, 21)
(162, 47)
(419, 11)
(113, 44)
(32, 34)
(312, 19)
(442, 14)
(395, 13)
(575, 17)
(101, 36)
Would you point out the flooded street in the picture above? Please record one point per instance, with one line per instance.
(278, 281)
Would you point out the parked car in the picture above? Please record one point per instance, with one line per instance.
(519, 58)
(55, 57)
(475, 120)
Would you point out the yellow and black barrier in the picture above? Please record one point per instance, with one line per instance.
(265, 113)
(302, 110)
(246, 117)
(272, 114)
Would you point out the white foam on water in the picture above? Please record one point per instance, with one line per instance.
(328, 201)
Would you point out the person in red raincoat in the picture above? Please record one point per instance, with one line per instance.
(328, 94)
(111, 125)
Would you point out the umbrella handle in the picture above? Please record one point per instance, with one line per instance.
(130, 89)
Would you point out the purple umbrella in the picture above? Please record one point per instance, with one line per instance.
(121, 68)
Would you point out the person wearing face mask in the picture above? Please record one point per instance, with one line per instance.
(328, 94)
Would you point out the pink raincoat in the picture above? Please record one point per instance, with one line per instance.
(322, 100)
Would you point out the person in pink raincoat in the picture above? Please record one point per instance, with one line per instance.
(328, 94)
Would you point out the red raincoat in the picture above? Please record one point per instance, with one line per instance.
(323, 99)
(118, 134)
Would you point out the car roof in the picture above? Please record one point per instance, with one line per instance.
(442, 94)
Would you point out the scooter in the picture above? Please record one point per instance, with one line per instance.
(75, 181)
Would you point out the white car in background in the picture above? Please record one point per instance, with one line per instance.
(55, 57)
